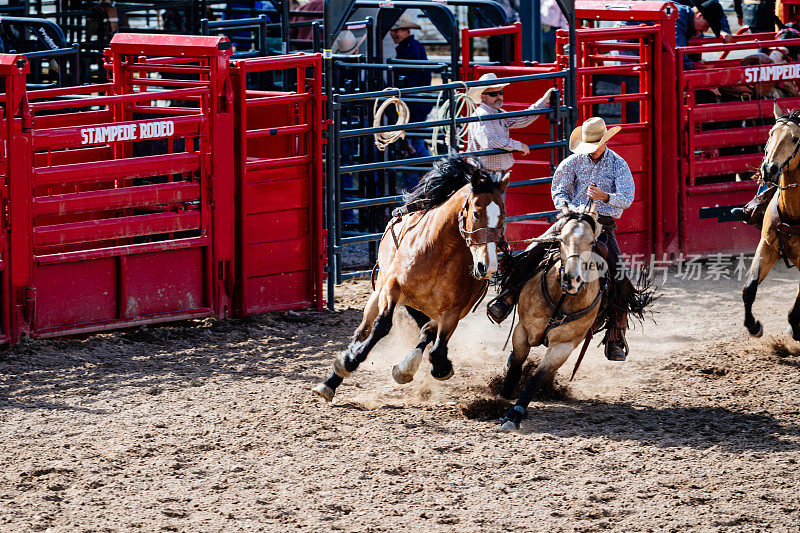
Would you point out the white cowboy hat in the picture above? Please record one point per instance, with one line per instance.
(346, 43)
(590, 136)
(475, 93)
(405, 23)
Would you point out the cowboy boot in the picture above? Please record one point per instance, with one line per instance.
(616, 345)
(753, 211)
(500, 307)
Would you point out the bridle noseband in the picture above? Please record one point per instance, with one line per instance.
(480, 235)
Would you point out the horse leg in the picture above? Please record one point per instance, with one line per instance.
(552, 361)
(347, 362)
(519, 354)
(794, 318)
(794, 314)
(404, 372)
(765, 258)
(441, 367)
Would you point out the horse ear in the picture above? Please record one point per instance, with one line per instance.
(504, 181)
(593, 209)
(776, 110)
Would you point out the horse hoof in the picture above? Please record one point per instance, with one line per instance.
(445, 377)
(508, 425)
(759, 330)
(324, 391)
(401, 377)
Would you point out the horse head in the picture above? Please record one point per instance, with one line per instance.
(579, 231)
(781, 151)
(481, 219)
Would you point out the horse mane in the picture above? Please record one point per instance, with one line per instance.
(447, 176)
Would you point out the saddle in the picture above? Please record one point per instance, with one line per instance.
(783, 230)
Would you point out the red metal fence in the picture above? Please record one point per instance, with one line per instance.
(123, 199)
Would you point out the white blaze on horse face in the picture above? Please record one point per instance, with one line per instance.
(493, 214)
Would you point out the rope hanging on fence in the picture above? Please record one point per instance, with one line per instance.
(464, 107)
(385, 138)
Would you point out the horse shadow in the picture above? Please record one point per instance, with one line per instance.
(665, 427)
(36, 374)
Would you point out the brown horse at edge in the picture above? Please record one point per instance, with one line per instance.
(780, 232)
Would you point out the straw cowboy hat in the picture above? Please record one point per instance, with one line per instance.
(405, 23)
(346, 43)
(475, 93)
(590, 136)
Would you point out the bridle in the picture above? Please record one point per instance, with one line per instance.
(483, 235)
(582, 217)
(796, 121)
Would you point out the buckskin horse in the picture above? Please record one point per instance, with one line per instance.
(435, 257)
(780, 232)
(557, 307)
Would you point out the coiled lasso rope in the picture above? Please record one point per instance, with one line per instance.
(385, 138)
(464, 107)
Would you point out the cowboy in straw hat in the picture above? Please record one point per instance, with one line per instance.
(594, 172)
(347, 44)
(492, 132)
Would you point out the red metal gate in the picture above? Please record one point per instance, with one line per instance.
(722, 142)
(279, 185)
(14, 134)
(123, 216)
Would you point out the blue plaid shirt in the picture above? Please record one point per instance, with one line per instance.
(611, 174)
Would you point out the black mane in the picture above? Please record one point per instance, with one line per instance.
(446, 177)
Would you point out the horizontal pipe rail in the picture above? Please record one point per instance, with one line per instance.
(128, 168)
(115, 228)
(108, 199)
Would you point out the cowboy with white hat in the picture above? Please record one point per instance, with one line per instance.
(492, 132)
(595, 172)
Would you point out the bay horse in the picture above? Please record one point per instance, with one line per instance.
(573, 280)
(435, 257)
(780, 232)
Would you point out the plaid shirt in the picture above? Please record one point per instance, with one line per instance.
(493, 133)
(611, 174)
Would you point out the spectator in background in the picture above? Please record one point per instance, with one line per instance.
(694, 21)
(347, 44)
(314, 9)
(410, 48)
(552, 20)
(492, 133)
(758, 15)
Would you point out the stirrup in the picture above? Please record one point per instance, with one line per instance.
(616, 356)
(498, 310)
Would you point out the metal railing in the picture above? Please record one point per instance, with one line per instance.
(387, 195)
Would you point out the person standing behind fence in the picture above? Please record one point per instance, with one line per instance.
(693, 21)
(552, 20)
(493, 133)
(758, 15)
(410, 48)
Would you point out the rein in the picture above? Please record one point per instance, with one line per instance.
(557, 317)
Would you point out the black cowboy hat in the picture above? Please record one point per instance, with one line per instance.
(712, 12)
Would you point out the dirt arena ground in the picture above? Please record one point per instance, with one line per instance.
(207, 426)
